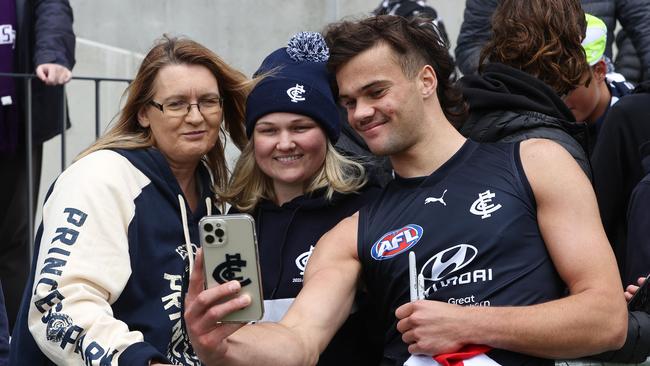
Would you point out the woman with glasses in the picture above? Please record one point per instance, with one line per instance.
(121, 223)
(291, 179)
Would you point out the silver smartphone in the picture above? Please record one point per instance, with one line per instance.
(230, 253)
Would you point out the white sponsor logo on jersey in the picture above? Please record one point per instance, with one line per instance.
(435, 199)
(443, 269)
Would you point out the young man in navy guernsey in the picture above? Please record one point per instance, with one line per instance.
(513, 264)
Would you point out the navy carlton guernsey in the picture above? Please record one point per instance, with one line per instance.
(472, 224)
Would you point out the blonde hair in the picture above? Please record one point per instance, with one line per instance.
(248, 184)
(127, 133)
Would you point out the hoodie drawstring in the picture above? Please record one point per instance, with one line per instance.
(186, 230)
(208, 206)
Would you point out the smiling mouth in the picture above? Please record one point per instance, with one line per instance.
(287, 159)
(193, 133)
(370, 125)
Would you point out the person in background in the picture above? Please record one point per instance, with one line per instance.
(35, 37)
(638, 224)
(627, 61)
(635, 262)
(637, 344)
(120, 225)
(462, 208)
(591, 101)
(618, 168)
(634, 16)
(636, 349)
(414, 8)
(297, 187)
(530, 62)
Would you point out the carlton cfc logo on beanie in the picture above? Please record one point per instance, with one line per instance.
(295, 80)
(296, 92)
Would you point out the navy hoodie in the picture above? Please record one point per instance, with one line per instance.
(112, 265)
(287, 235)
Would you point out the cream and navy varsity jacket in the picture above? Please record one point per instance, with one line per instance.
(113, 262)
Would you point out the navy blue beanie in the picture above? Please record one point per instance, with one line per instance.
(299, 83)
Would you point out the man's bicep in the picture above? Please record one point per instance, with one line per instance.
(330, 284)
(567, 215)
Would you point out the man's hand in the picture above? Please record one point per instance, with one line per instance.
(632, 289)
(203, 309)
(53, 74)
(431, 327)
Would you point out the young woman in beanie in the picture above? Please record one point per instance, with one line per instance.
(296, 185)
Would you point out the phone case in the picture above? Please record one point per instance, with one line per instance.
(230, 253)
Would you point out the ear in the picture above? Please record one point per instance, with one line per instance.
(427, 81)
(600, 70)
(143, 118)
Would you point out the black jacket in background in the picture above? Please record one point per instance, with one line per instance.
(616, 164)
(634, 16)
(507, 105)
(637, 344)
(637, 259)
(44, 35)
(627, 61)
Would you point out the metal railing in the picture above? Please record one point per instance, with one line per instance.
(29, 130)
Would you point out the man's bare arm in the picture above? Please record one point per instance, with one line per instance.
(319, 310)
(592, 319)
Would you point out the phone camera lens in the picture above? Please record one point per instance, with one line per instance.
(209, 239)
(208, 227)
(219, 232)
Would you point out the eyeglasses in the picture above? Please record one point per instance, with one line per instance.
(181, 109)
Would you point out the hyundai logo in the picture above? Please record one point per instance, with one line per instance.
(449, 261)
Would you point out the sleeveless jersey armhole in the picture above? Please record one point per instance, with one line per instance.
(361, 233)
(519, 170)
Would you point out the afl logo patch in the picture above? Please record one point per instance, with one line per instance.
(396, 242)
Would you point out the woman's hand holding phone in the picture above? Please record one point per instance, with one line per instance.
(204, 308)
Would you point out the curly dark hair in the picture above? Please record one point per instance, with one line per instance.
(415, 40)
(541, 38)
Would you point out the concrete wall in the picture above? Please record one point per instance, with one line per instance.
(241, 31)
(113, 36)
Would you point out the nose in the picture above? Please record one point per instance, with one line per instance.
(194, 115)
(362, 111)
(285, 142)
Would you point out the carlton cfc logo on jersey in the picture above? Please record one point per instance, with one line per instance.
(396, 242)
